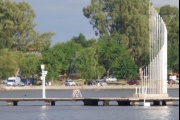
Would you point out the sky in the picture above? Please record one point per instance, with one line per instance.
(65, 17)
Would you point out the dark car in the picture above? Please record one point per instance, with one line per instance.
(31, 81)
(25, 81)
(92, 83)
(133, 82)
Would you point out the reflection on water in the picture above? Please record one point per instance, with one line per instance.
(159, 113)
(43, 113)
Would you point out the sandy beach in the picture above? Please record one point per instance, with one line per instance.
(3, 87)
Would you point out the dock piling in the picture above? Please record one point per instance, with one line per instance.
(12, 103)
(105, 103)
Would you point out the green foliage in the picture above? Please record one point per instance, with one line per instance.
(126, 68)
(9, 63)
(86, 63)
(17, 30)
(81, 39)
(108, 55)
(171, 17)
(70, 50)
(53, 60)
(116, 59)
(17, 33)
(61, 58)
(30, 64)
(125, 20)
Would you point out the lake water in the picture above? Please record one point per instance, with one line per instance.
(77, 111)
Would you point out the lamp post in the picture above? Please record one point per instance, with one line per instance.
(44, 73)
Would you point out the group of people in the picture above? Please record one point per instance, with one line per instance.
(76, 93)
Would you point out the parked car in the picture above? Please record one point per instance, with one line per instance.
(31, 81)
(69, 82)
(177, 80)
(92, 83)
(101, 83)
(21, 83)
(173, 81)
(110, 79)
(25, 81)
(133, 82)
(4, 81)
(14, 81)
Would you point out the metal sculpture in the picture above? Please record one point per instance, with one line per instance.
(154, 75)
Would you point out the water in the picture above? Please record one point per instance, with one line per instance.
(77, 111)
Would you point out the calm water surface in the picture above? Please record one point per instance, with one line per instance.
(77, 111)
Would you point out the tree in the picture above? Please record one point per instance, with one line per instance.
(70, 49)
(127, 67)
(53, 58)
(61, 58)
(116, 60)
(85, 64)
(30, 64)
(171, 17)
(129, 19)
(9, 63)
(17, 28)
(109, 54)
(81, 39)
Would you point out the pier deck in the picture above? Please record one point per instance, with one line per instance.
(122, 101)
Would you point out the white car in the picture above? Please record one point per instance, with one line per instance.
(110, 79)
(69, 82)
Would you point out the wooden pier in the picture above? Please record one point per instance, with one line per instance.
(122, 101)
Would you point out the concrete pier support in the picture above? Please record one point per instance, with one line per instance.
(12, 103)
(50, 103)
(105, 103)
(163, 102)
(135, 103)
(157, 103)
(168, 103)
(123, 103)
(90, 102)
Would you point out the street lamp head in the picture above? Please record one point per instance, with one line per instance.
(42, 67)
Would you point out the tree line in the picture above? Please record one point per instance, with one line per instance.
(120, 50)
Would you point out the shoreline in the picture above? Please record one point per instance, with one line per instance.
(118, 87)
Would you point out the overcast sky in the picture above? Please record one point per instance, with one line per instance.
(66, 19)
